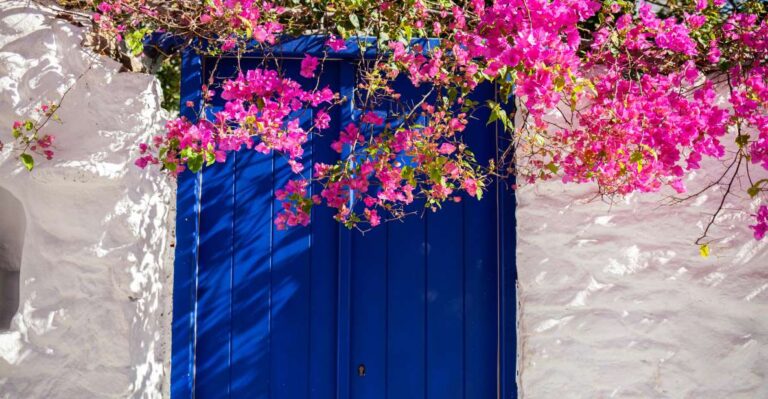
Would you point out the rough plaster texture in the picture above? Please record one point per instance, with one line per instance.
(616, 302)
(93, 319)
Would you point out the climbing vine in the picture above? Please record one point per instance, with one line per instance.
(636, 86)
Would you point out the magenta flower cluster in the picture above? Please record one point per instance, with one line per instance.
(638, 96)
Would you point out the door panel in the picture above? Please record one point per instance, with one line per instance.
(293, 314)
(215, 275)
(445, 303)
(266, 299)
(424, 297)
(251, 293)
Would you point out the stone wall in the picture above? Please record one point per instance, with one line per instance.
(94, 284)
(616, 302)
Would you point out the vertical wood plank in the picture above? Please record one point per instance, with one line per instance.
(481, 264)
(185, 264)
(406, 308)
(290, 298)
(508, 274)
(445, 303)
(213, 350)
(344, 367)
(252, 268)
(368, 318)
(325, 263)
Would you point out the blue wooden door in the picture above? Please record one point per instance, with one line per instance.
(421, 309)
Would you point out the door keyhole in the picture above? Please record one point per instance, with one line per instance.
(361, 370)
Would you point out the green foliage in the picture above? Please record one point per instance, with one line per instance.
(135, 40)
(169, 75)
(28, 161)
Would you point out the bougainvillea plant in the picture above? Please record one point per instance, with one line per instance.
(644, 93)
(28, 140)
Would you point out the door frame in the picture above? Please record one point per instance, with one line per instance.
(188, 228)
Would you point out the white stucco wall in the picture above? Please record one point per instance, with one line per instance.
(616, 302)
(93, 320)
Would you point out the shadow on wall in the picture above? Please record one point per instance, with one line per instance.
(14, 225)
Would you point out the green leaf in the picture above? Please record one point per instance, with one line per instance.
(559, 83)
(29, 125)
(135, 41)
(28, 161)
(210, 158)
(552, 167)
(435, 174)
(742, 140)
(494, 113)
(452, 94)
(170, 166)
(753, 191)
(185, 153)
(383, 38)
(408, 174)
(195, 163)
(354, 20)
(704, 251)
(342, 32)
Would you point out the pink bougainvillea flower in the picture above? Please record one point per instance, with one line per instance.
(336, 43)
(46, 141)
(446, 148)
(143, 161)
(296, 167)
(349, 136)
(372, 118)
(373, 217)
(228, 45)
(322, 120)
(470, 185)
(308, 66)
(761, 227)
(649, 111)
(370, 201)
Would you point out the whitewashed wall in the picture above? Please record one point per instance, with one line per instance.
(616, 302)
(93, 320)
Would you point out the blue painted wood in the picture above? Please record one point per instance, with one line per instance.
(356, 48)
(291, 290)
(214, 289)
(445, 303)
(324, 259)
(368, 317)
(406, 310)
(251, 297)
(185, 268)
(427, 305)
(481, 271)
(508, 275)
(344, 367)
